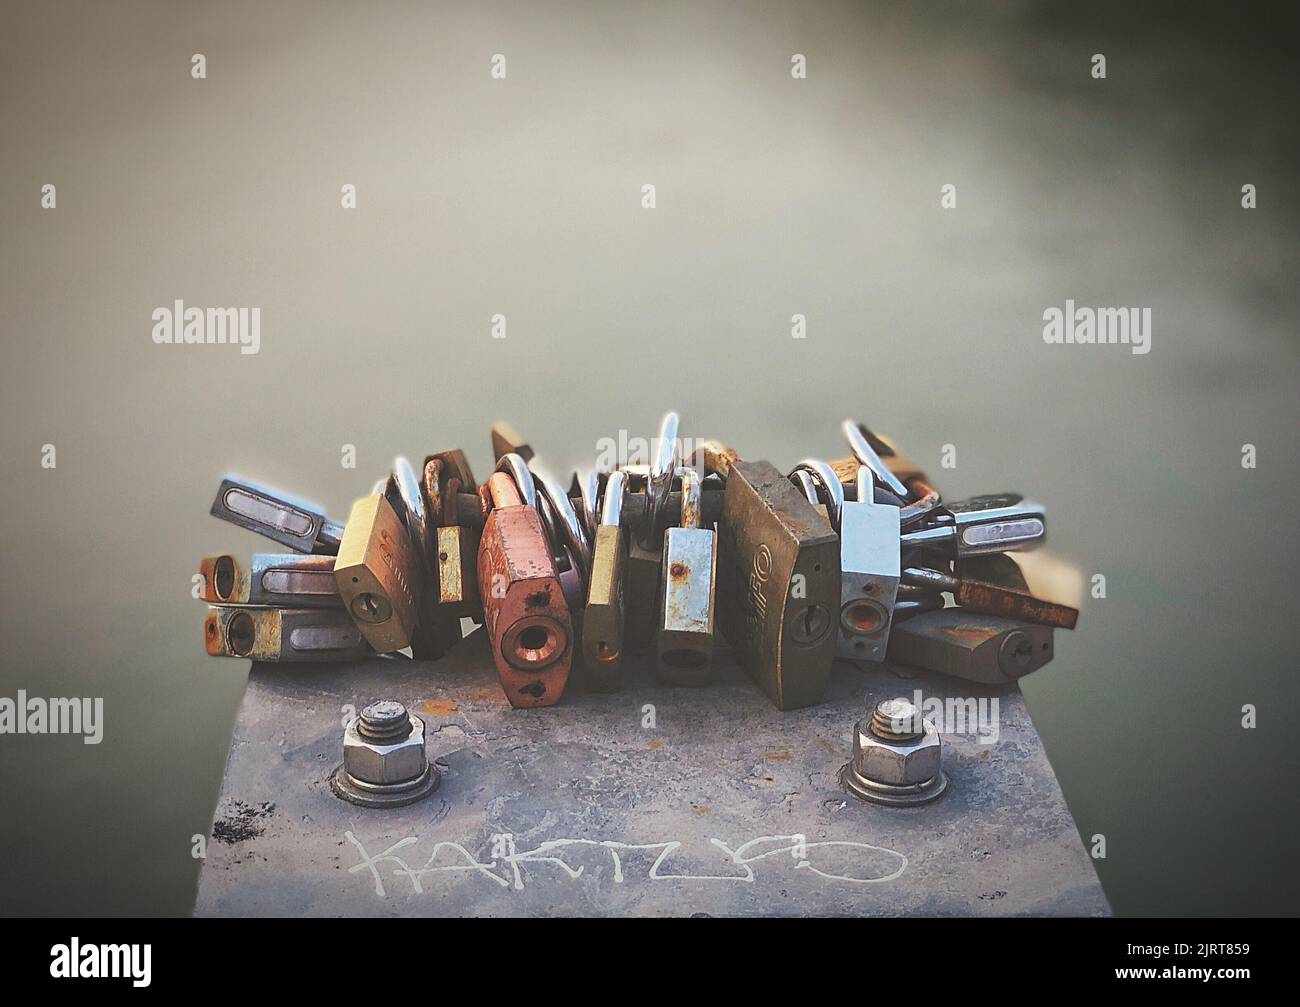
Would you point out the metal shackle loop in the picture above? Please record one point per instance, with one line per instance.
(504, 491)
(692, 497)
(659, 480)
(563, 524)
(611, 510)
(828, 482)
(866, 454)
(515, 466)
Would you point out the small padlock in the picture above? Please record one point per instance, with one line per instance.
(524, 609)
(437, 629)
(1002, 522)
(686, 598)
(298, 524)
(446, 476)
(869, 562)
(281, 580)
(602, 621)
(646, 549)
(778, 579)
(277, 634)
(377, 574)
(971, 645)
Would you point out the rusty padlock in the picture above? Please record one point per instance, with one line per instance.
(525, 613)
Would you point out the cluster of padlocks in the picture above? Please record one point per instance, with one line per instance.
(853, 559)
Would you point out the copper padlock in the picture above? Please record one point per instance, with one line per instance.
(524, 609)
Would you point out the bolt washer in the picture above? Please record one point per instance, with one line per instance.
(884, 793)
(393, 795)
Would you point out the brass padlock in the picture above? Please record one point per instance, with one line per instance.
(525, 613)
(778, 579)
(376, 574)
(446, 475)
(686, 598)
(602, 621)
(276, 634)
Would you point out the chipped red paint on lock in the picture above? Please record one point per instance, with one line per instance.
(524, 613)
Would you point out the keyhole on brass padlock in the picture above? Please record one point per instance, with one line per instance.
(371, 608)
(810, 625)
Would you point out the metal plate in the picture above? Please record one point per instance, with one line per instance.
(701, 813)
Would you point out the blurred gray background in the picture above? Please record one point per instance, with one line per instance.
(776, 196)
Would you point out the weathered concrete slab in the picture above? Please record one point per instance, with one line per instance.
(701, 813)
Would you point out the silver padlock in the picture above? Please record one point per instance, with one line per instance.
(293, 522)
(1002, 522)
(689, 575)
(280, 580)
(282, 634)
(869, 561)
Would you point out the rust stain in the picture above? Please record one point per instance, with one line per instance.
(679, 570)
(960, 632)
(701, 809)
(826, 745)
(778, 756)
(438, 707)
(656, 744)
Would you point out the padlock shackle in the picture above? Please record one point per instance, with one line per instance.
(714, 457)
(515, 466)
(611, 508)
(866, 454)
(563, 525)
(503, 490)
(691, 496)
(825, 478)
(659, 479)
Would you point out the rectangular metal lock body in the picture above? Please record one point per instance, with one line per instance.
(971, 645)
(778, 584)
(687, 594)
(642, 584)
(602, 619)
(458, 571)
(1003, 522)
(278, 634)
(646, 540)
(870, 569)
(376, 572)
(446, 476)
(279, 580)
(524, 610)
(298, 524)
(436, 629)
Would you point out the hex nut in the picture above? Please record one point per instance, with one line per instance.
(897, 763)
(378, 764)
